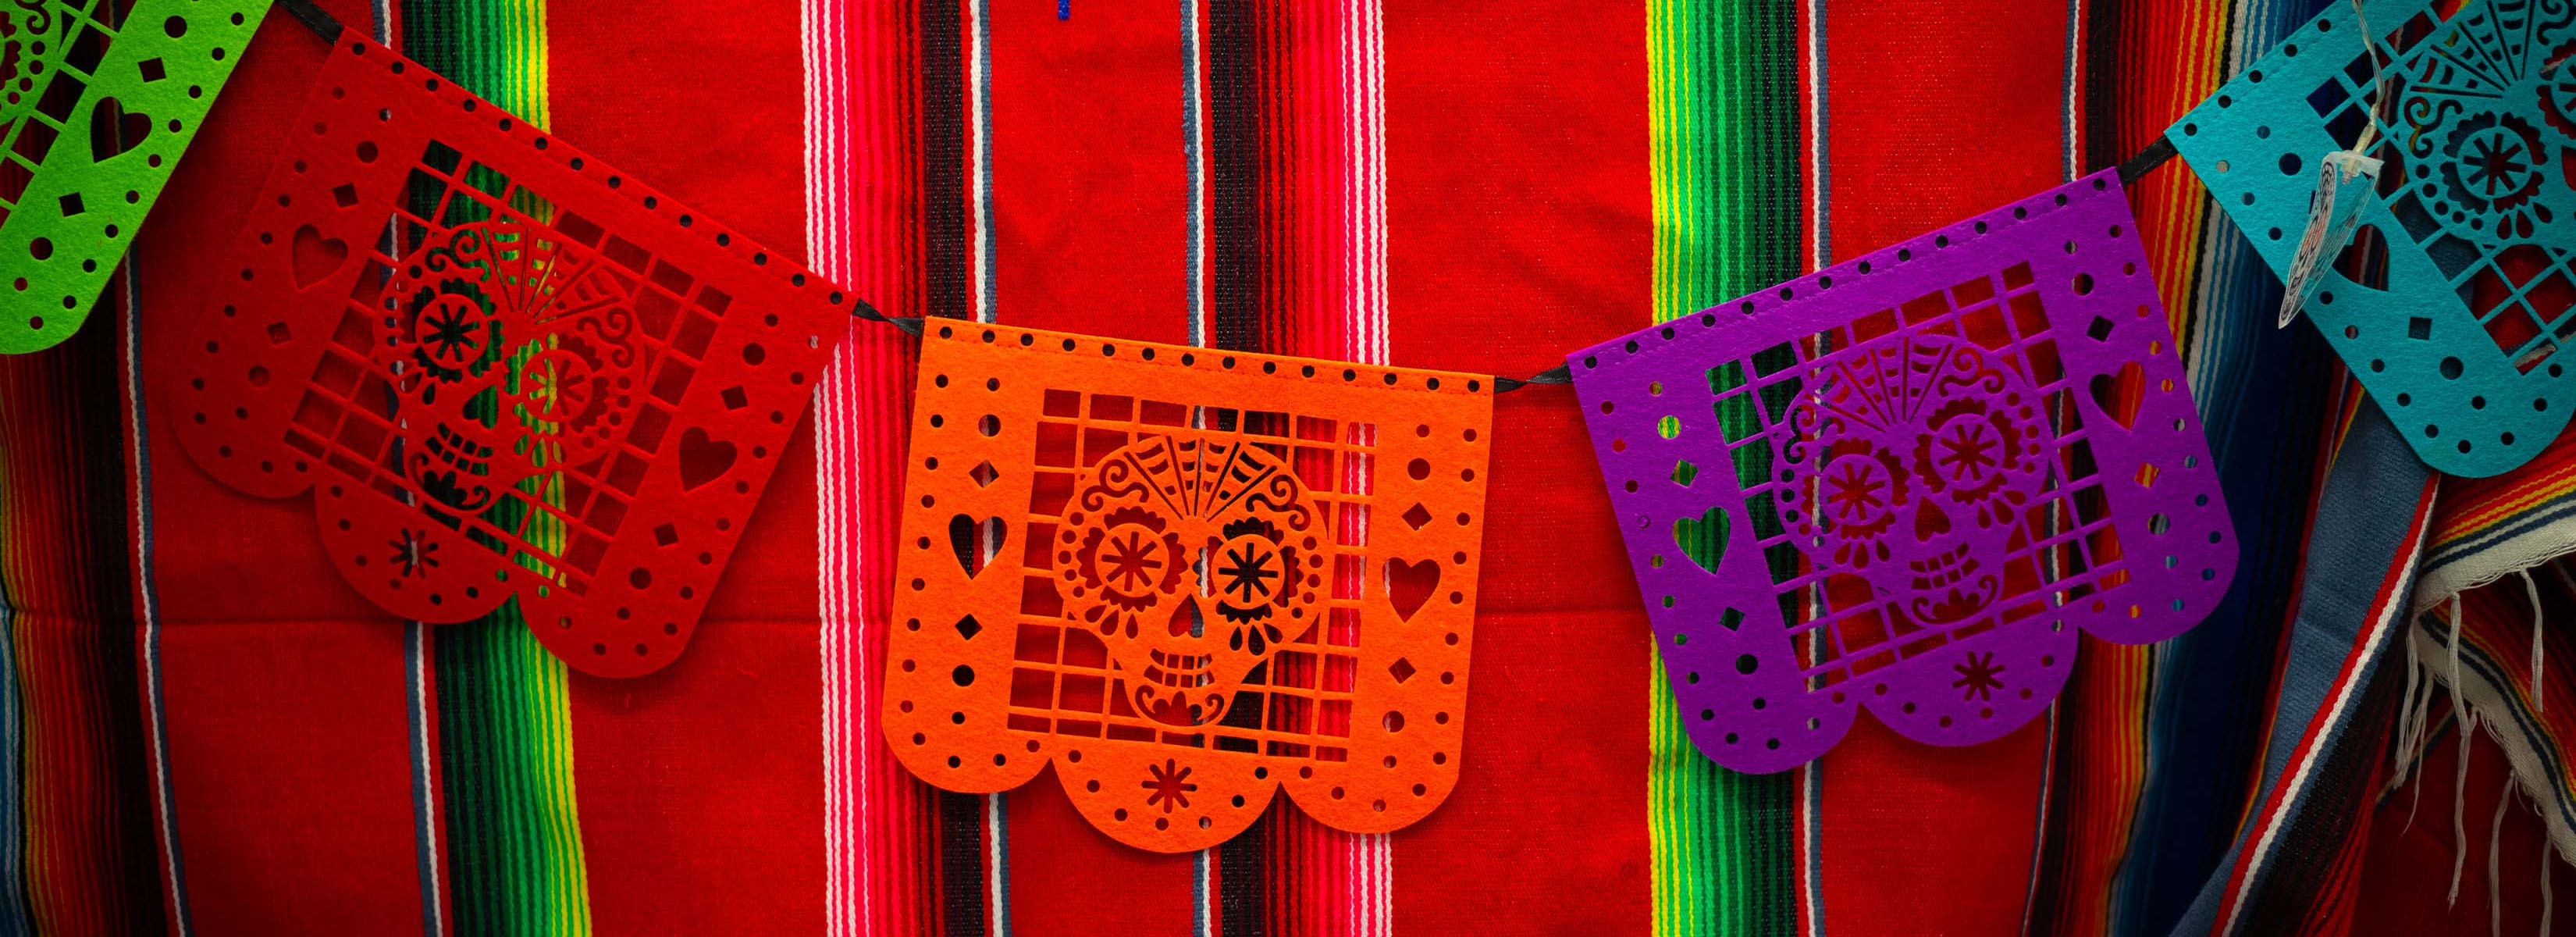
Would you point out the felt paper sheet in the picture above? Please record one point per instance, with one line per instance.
(94, 114)
(1908, 481)
(1187, 577)
(504, 370)
(2453, 299)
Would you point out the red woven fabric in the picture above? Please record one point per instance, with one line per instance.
(305, 789)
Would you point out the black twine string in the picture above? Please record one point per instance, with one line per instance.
(1561, 374)
(314, 18)
(328, 27)
(2156, 153)
(911, 325)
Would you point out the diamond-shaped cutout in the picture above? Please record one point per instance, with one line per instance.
(968, 627)
(984, 473)
(2100, 329)
(1402, 670)
(1684, 473)
(70, 203)
(1417, 516)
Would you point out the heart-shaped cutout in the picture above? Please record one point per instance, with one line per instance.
(1408, 585)
(317, 257)
(975, 542)
(1703, 538)
(113, 130)
(702, 460)
(2119, 395)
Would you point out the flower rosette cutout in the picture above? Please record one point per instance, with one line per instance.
(1186, 578)
(505, 372)
(2458, 292)
(1910, 481)
(98, 101)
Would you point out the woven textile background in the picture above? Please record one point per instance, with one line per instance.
(204, 726)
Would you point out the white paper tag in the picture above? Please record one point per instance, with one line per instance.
(2344, 183)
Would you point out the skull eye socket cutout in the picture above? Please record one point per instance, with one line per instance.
(1973, 447)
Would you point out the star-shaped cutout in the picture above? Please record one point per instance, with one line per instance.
(1977, 677)
(1169, 785)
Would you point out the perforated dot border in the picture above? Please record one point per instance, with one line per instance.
(1220, 361)
(1662, 338)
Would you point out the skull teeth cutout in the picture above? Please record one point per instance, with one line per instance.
(511, 351)
(1915, 456)
(1192, 559)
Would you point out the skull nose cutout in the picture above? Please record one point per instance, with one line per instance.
(1930, 521)
(1186, 622)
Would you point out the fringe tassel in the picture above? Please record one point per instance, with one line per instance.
(2460, 784)
(2547, 853)
(2455, 651)
(2408, 732)
(2459, 813)
(2495, 856)
(2413, 709)
(2412, 718)
(2538, 652)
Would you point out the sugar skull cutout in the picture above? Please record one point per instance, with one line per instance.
(1183, 581)
(1194, 559)
(513, 351)
(1923, 450)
